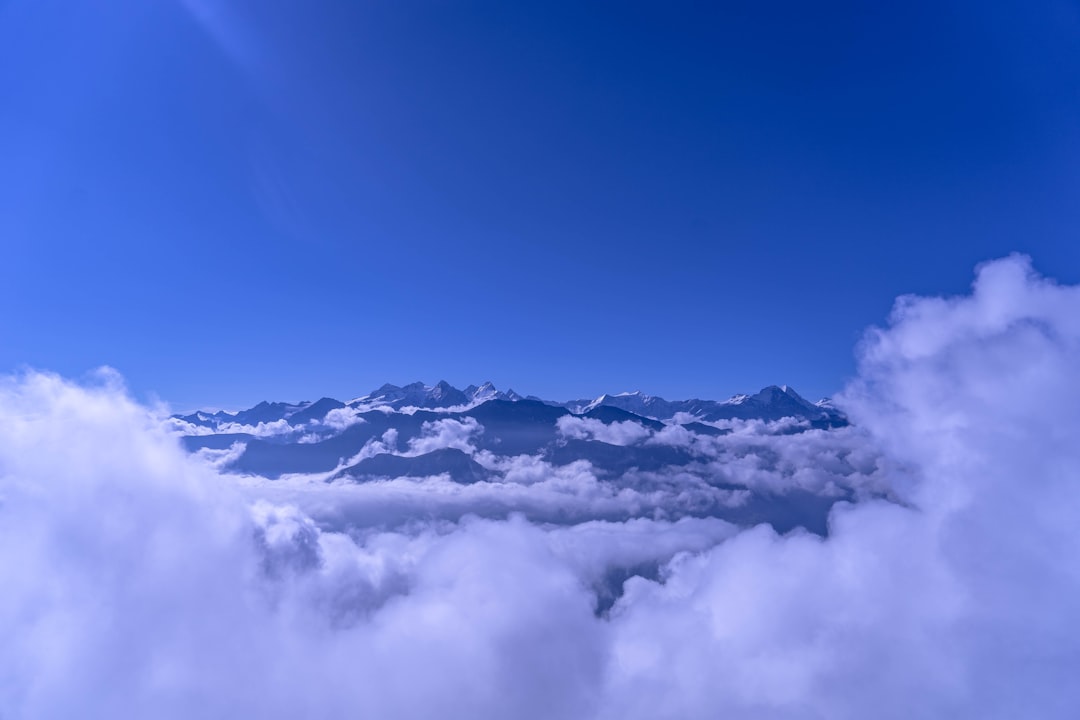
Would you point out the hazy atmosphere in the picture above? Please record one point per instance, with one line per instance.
(539, 360)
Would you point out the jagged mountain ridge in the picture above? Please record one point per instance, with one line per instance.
(771, 403)
(625, 443)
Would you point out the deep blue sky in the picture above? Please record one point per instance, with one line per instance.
(231, 200)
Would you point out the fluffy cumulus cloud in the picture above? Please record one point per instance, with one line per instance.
(339, 419)
(263, 429)
(138, 581)
(626, 432)
(446, 433)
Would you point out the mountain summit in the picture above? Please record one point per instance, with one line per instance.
(770, 403)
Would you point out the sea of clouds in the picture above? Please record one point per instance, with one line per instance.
(136, 580)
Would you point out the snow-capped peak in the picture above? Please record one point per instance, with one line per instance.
(483, 393)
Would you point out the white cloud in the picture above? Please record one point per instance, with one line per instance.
(626, 432)
(139, 582)
(678, 436)
(448, 433)
(340, 419)
(220, 459)
(262, 429)
(387, 443)
(959, 605)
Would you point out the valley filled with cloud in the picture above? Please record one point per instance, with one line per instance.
(908, 550)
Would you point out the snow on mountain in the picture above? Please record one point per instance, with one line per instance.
(483, 393)
(481, 434)
(418, 395)
(770, 403)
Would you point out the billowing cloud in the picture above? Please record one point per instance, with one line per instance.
(448, 433)
(339, 419)
(626, 432)
(140, 582)
(263, 429)
(387, 443)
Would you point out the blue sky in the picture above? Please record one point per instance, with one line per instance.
(229, 201)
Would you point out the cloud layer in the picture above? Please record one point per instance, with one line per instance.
(140, 582)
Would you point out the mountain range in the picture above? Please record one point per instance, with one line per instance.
(771, 403)
(628, 442)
